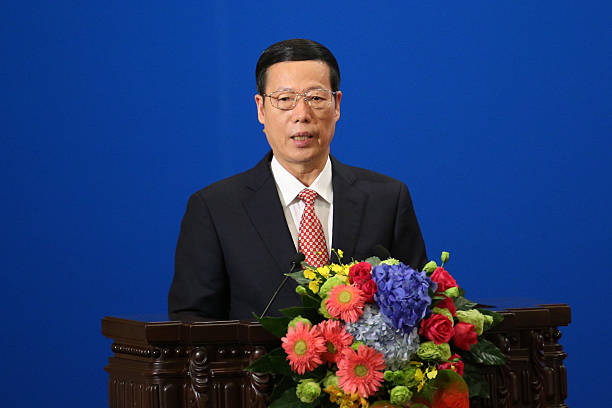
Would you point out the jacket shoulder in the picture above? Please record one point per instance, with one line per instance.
(360, 177)
(237, 185)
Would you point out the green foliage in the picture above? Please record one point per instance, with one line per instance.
(487, 353)
(281, 385)
(462, 303)
(275, 325)
(288, 399)
(306, 312)
(476, 381)
(275, 362)
(497, 318)
(374, 261)
(298, 277)
(311, 300)
(446, 379)
(318, 374)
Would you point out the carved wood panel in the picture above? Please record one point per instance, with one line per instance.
(201, 365)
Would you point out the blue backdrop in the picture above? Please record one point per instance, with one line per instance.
(496, 115)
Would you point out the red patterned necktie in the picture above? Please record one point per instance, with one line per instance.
(311, 237)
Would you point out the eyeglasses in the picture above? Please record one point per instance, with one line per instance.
(287, 100)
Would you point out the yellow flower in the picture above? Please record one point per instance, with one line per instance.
(431, 373)
(345, 400)
(421, 385)
(309, 274)
(418, 375)
(343, 279)
(336, 268)
(334, 392)
(314, 285)
(350, 401)
(340, 253)
(323, 271)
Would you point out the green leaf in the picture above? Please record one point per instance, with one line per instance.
(281, 386)
(476, 381)
(275, 325)
(497, 318)
(462, 303)
(288, 399)
(317, 374)
(312, 301)
(487, 353)
(298, 277)
(374, 261)
(445, 380)
(306, 312)
(275, 362)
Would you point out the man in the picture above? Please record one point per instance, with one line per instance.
(239, 235)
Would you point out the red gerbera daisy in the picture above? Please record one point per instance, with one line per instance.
(360, 371)
(345, 302)
(303, 347)
(336, 339)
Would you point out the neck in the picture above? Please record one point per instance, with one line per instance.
(306, 173)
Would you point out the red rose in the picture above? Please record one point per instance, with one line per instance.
(465, 335)
(443, 279)
(447, 303)
(438, 328)
(456, 365)
(360, 272)
(369, 289)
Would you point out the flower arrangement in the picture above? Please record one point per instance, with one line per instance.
(379, 333)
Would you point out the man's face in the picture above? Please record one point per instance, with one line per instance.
(300, 137)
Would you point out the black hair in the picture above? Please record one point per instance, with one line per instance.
(297, 49)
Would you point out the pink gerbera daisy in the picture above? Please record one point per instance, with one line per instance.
(345, 302)
(303, 346)
(336, 339)
(360, 371)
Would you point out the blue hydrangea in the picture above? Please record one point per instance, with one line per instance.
(403, 294)
(376, 331)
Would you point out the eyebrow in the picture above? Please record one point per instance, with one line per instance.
(310, 88)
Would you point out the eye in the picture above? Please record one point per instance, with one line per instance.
(318, 95)
(285, 96)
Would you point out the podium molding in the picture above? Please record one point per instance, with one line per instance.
(201, 364)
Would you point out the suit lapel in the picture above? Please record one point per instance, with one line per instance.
(349, 208)
(266, 213)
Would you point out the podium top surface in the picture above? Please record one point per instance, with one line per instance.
(155, 330)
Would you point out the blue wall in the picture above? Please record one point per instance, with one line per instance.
(496, 114)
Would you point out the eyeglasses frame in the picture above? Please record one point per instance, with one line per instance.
(303, 95)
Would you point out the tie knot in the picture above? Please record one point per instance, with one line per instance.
(308, 196)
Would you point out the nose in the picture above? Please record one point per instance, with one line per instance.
(302, 111)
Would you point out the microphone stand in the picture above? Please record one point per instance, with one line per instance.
(297, 260)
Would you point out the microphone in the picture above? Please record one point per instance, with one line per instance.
(295, 262)
(381, 252)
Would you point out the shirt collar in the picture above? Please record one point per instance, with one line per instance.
(289, 186)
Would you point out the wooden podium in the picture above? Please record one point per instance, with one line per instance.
(201, 364)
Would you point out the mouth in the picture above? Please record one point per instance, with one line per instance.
(301, 136)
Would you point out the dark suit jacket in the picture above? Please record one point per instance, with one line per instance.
(235, 246)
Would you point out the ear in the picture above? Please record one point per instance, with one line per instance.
(337, 107)
(259, 101)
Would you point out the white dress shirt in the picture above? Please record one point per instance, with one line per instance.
(289, 187)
